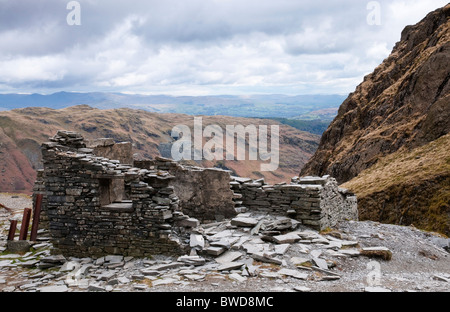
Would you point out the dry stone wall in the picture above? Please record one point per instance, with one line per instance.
(316, 202)
(107, 148)
(204, 193)
(138, 219)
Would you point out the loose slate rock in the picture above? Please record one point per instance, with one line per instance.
(244, 222)
(229, 256)
(164, 281)
(56, 288)
(376, 289)
(96, 288)
(237, 277)
(162, 267)
(288, 238)
(293, 273)
(193, 260)
(302, 289)
(321, 263)
(29, 264)
(68, 266)
(230, 266)
(197, 241)
(56, 259)
(299, 260)
(215, 251)
(195, 277)
(281, 249)
(377, 252)
(263, 257)
(441, 278)
(350, 252)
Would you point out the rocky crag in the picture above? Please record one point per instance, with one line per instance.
(403, 106)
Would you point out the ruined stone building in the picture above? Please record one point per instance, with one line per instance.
(98, 201)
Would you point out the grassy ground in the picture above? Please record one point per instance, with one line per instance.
(408, 187)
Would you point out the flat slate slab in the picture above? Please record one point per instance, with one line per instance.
(288, 238)
(376, 289)
(121, 207)
(230, 266)
(320, 263)
(215, 251)
(244, 222)
(263, 257)
(229, 256)
(241, 180)
(293, 273)
(162, 267)
(237, 277)
(57, 288)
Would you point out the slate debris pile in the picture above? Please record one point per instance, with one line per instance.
(246, 247)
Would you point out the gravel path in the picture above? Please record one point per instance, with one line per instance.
(16, 202)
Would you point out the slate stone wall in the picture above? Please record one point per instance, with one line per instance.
(316, 202)
(204, 193)
(142, 222)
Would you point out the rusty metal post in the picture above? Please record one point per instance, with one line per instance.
(12, 230)
(36, 216)
(25, 224)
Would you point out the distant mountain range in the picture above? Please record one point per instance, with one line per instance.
(262, 106)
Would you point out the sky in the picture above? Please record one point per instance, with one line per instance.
(198, 47)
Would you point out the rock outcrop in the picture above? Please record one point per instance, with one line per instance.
(388, 141)
(404, 102)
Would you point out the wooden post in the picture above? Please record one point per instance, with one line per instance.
(36, 216)
(25, 224)
(12, 230)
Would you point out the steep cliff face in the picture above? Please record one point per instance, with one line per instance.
(405, 102)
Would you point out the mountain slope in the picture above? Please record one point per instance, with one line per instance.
(404, 102)
(408, 187)
(390, 139)
(23, 130)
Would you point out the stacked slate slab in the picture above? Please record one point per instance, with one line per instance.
(204, 193)
(138, 215)
(317, 202)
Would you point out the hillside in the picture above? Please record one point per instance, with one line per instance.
(408, 187)
(399, 110)
(315, 126)
(23, 130)
(321, 114)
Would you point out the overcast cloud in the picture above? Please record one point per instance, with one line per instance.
(197, 47)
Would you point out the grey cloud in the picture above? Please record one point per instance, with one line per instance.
(143, 44)
(169, 21)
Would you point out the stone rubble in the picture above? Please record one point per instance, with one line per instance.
(223, 252)
(295, 253)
